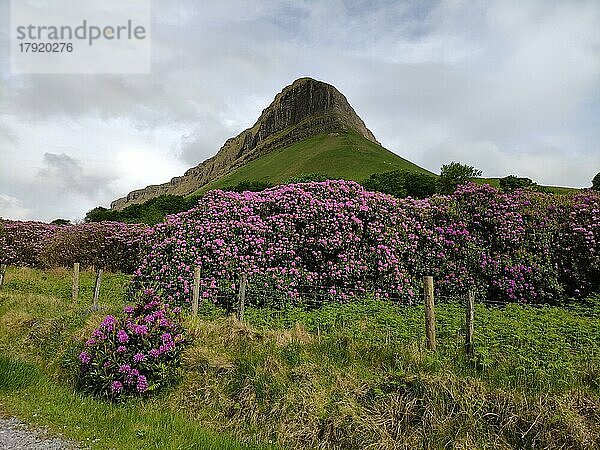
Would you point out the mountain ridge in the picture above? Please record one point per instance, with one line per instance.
(305, 108)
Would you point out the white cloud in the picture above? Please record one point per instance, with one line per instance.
(11, 207)
(507, 86)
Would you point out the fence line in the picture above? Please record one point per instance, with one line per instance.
(75, 288)
(314, 296)
(2, 272)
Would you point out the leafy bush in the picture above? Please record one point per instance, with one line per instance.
(149, 212)
(455, 174)
(392, 183)
(248, 185)
(111, 245)
(306, 178)
(511, 183)
(21, 243)
(402, 183)
(596, 182)
(134, 354)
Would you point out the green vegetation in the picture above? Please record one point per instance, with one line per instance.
(402, 183)
(346, 155)
(454, 174)
(511, 183)
(38, 370)
(246, 185)
(150, 212)
(27, 392)
(60, 222)
(596, 182)
(346, 376)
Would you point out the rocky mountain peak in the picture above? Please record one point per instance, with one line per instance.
(305, 108)
(307, 98)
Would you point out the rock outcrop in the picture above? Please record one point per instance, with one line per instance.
(305, 108)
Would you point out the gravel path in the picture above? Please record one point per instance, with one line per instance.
(15, 435)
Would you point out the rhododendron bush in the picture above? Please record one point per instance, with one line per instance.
(21, 243)
(111, 245)
(135, 353)
(337, 239)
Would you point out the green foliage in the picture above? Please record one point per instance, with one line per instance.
(247, 185)
(100, 214)
(30, 394)
(307, 178)
(454, 174)
(149, 212)
(392, 183)
(511, 183)
(402, 183)
(60, 222)
(596, 182)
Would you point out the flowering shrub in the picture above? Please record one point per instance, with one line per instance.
(334, 237)
(21, 243)
(111, 245)
(134, 354)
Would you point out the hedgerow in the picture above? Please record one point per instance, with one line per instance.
(335, 237)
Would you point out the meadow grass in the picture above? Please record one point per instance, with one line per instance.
(27, 392)
(341, 377)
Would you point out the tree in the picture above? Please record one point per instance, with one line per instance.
(392, 183)
(454, 174)
(402, 183)
(511, 182)
(596, 182)
(60, 222)
(419, 185)
(98, 214)
(150, 212)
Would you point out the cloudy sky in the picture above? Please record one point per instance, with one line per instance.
(511, 87)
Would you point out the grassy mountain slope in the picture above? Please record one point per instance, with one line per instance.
(344, 155)
(559, 190)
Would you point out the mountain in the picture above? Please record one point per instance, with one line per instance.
(309, 127)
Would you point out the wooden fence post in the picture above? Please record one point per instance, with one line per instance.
(429, 311)
(75, 291)
(469, 325)
(97, 290)
(196, 291)
(2, 272)
(242, 297)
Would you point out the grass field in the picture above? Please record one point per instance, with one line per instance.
(495, 182)
(345, 377)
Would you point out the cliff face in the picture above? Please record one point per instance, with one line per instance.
(305, 108)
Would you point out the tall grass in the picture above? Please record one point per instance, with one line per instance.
(341, 377)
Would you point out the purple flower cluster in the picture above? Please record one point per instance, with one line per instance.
(336, 238)
(133, 353)
(112, 245)
(22, 243)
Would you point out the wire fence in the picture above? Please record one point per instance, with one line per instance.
(446, 321)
